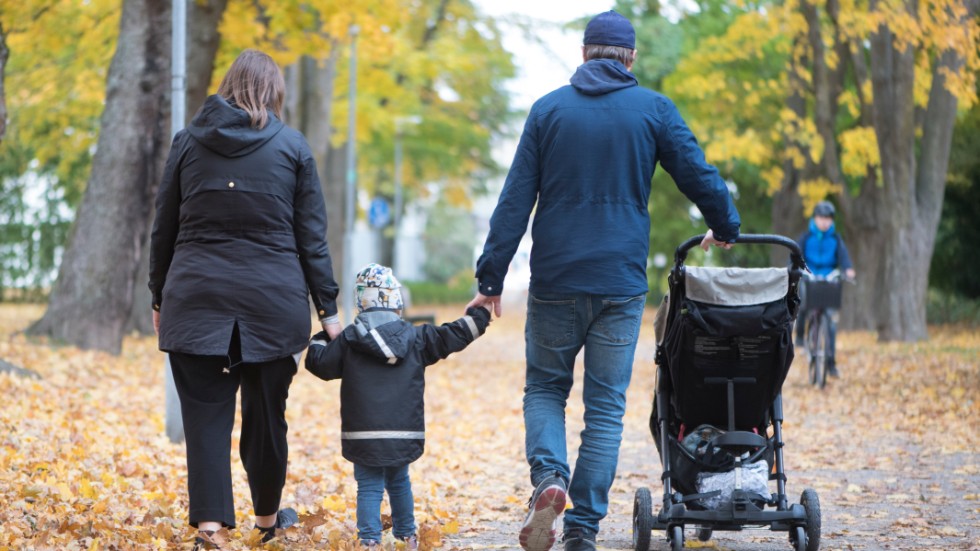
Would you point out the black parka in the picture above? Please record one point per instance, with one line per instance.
(381, 360)
(239, 238)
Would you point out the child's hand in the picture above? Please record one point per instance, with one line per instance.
(333, 330)
(481, 314)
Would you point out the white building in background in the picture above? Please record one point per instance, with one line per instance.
(409, 244)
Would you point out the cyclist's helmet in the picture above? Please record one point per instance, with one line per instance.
(824, 208)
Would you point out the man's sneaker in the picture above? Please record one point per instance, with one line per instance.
(579, 540)
(540, 526)
(410, 543)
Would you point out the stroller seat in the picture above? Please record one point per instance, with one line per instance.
(731, 328)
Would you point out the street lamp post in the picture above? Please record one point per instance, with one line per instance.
(173, 421)
(397, 217)
(351, 190)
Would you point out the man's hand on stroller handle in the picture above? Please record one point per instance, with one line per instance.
(709, 240)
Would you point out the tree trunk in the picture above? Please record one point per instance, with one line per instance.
(862, 218)
(914, 181)
(91, 300)
(203, 18)
(4, 52)
(787, 208)
(309, 97)
(826, 89)
(203, 40)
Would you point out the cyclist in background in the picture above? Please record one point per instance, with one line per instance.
(824, 251)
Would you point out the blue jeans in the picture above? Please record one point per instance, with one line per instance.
(371, 485)
(558, 327)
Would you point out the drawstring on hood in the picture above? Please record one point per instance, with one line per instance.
(227, 130)
(597, 77)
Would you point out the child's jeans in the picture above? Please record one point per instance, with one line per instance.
(371, 485)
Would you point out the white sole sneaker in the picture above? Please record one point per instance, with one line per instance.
(541, 525)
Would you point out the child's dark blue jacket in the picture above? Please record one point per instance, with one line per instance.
(586, 158)
(381, 361)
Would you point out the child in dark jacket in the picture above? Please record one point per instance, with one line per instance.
(381, 360)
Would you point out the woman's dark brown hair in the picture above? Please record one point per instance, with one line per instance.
(254, 83)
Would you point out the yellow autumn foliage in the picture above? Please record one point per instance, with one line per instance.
(859, 151)
(738, 110)
(816, 190)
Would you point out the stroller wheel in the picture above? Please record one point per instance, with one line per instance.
(811, 504)
(642, 519)
(704, 533)
(675, 535)
(797, 538)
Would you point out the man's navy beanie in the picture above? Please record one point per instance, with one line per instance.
(610, 29)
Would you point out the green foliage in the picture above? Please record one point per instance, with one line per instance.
(955, 264)
(658, 41)
(55, 86)
(668, 57)
(458, 290)
(441, 61)
(952, 308)
(31, 236)
(449, 237)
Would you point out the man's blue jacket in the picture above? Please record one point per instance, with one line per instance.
(586, 157)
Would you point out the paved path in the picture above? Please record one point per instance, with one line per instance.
(892, 453)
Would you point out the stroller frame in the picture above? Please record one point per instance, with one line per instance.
(802, 521)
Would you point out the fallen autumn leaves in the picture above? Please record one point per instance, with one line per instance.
(891, 447)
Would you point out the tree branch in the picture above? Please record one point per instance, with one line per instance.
(825, 96)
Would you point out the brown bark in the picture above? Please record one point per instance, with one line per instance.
(826, 89)
(309, 102)
(914, 178)
(92, 297)
(787, 208)
(202, 46)
(203, 39)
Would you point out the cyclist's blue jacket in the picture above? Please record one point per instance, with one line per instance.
(586, 158)
(824, 251)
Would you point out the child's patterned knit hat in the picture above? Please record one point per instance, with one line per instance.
(376, 287)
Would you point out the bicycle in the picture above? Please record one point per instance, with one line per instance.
(820, 295)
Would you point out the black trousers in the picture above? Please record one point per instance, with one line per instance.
(208, 387)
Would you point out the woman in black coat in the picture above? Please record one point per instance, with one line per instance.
(238, 246)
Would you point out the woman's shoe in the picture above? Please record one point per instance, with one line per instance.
(284, 519)
(206, 540)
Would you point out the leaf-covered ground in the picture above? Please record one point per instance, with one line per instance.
(892, 449)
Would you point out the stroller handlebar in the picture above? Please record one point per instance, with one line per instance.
(796, 255)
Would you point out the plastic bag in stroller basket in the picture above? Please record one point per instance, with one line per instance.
(752, 478)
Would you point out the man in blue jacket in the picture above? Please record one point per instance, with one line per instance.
(586, 159)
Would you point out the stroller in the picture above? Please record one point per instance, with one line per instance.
(724, 347)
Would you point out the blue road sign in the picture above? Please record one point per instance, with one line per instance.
(379, 213)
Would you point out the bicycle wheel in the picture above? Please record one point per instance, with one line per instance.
(816, 342)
